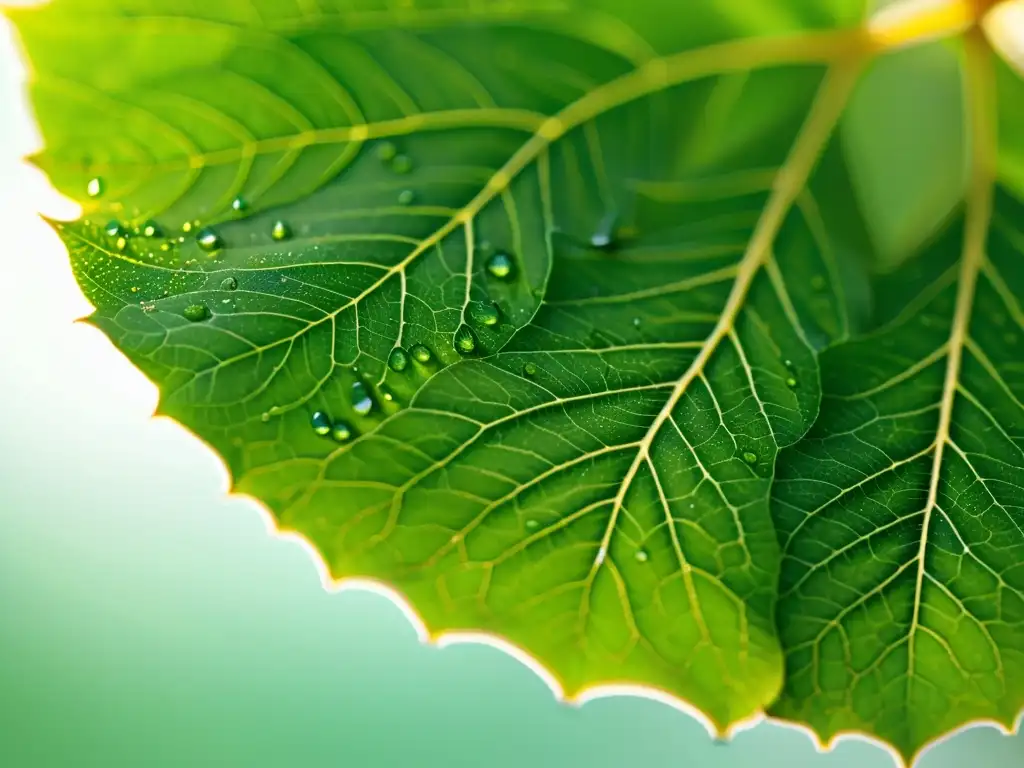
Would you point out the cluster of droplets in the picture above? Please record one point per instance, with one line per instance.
(338, 429)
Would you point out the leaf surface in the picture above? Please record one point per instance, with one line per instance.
(901, 514)
(597, 492)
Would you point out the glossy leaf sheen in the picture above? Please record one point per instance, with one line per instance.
(513, 307)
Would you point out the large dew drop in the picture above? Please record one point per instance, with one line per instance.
(398, 360)
(209, 240)
(341, 431)
(321, 423)
(485, 313)
(195, 312)
(239, 204)
(114, 229)
(500, 265)
(280, 231)
(362, 403)
(421, 353)
(465, 340)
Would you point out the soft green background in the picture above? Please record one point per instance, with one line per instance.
(148, 620)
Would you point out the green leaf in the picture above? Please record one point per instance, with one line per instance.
(513, 306)
(598, 492)
(901, 602)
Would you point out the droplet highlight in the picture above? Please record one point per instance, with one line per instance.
(95, 187)
(750, 457)
(239, 204)
(114, 229)
(530, 369)
(406, 197)
(151, 229)
(640, 556)
(229, 284)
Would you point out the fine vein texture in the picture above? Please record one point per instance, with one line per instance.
(902, 513)
(513, 305)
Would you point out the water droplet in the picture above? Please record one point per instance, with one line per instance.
(532, 524)
(750, 457)
(465, 340)
(121, 243)
(280, 231)
(151, 229)
(398, 360)
(95, 187)
(604, 237)
(321, 424)
(114, 228)
(386, 151)
(229, 284)
(239, 204)
(186, 227)
(641, 555)
(791, 382)
(341, 431)
(818, 282)
(386, 393)
(135, 289)
(530, 369)
(421, 353)
(362, 403)
(195, 312)
(265, 417)
(401, 164)
(636, 322)
(406, 197)
(209, 240)
(788, 363)
(500, 266)
(485, 313)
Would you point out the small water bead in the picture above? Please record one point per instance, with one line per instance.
(818, 282)
(341, 431)
(386, 151)
(265, 417)
(386, 393)
(636, 322)
(421, 353)
(95, 187)
(485, 313)
(195, 312)
(239, 204)
(114, 228)
(406, 197)
(151, 229)
(500, 266)
(229, 284)
(530, 369)
(321, 424)
(788, 363)
(121, 243)
(209, 240)
(398, 360)
(641, 556)
(465, 340)
(280, 231)
(532, 524)
(187, 227)
(401, 164)
(750, 457)
(362, 403)
(791, 382)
